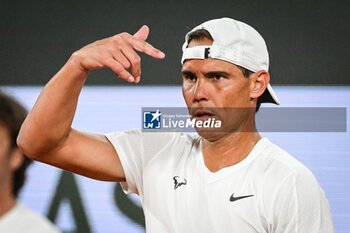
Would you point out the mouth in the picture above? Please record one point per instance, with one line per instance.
(202, 115)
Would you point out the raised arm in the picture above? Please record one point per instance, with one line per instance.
(47, 136)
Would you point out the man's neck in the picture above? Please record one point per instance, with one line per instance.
(229, 149)
(7, 200)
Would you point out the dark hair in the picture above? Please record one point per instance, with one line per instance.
(201, 34)
(12, 115)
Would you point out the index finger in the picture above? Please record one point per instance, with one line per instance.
(144, 47)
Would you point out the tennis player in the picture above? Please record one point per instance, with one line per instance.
(231, 180)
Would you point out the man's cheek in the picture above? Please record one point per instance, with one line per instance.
(187, 91)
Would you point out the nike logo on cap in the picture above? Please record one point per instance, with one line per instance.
(232, 198)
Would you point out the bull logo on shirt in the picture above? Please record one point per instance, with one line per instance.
(178, 181)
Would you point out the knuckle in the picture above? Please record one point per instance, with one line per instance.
(127, 38)
(97, 42)
(117, 39)
(118, 68)
(124, 34)
(127, 65)
(136, 60)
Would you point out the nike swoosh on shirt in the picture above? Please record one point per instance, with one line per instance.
(232, 198)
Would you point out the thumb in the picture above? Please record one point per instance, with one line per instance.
(142, 33)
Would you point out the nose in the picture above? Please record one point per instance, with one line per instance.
(201, 92)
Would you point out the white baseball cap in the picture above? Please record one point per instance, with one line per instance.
(234, 42)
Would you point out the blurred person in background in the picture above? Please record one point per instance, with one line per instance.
(15, 217)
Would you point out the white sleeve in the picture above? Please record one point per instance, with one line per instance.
(300, 206)
(129, 149)
(135, 149)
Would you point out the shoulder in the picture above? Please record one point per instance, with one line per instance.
(23, 219)
(290, 192)
(283, 178)
(290, 195)
(277, 161)
(41, 223)
(278, 170)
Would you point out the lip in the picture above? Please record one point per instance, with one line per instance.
(203, 115)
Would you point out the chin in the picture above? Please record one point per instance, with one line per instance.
(213, 134)
(210, 134)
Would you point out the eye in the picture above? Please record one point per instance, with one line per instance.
(216, 77)
(189, 76)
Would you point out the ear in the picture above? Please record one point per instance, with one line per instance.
(259, 81)
(16, 159)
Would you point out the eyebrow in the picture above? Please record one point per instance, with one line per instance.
(186, 72)
(210, 73)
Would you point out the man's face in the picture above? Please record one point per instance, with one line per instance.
(215, 84)
(5, 148)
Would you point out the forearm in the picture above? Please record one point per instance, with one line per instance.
(48, 125)
(49, 122)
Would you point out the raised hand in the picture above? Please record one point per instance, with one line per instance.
(118, 53)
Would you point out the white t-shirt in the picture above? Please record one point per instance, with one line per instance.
(22, 220)
(267, 192)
